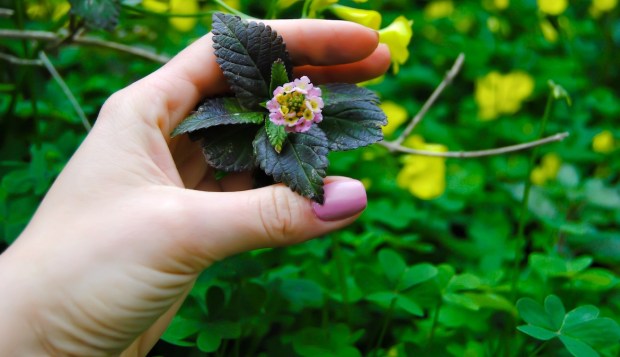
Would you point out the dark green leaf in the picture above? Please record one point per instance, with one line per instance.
(599, 332)
(301, 164)
(229, 147)
(279, 75)
(97, 13)
(580, 315)
(351, 117)
(245, 52)
(218, 111)
(276, 134)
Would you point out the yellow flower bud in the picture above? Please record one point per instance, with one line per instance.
(368, 18)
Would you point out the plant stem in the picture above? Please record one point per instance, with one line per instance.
(65, 89)
(386, 322)
(431, 336)
(144, 11)
(232, 10)
(479, 153)
(305, 9)
(521, 241)
(539, 349)
(337, 252)
(83, 40)
(449, 77)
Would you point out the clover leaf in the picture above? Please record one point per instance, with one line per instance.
(580, 330)
(276, 124)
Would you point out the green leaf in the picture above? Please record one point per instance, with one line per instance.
(279, 75)
(351, 117)
(417, 274)
(302, 292)
(218, 111)
(229, 148)
(300, 165)
(98, 14)
(539, 333)
(276, 134)
(578, 348)
(580, 315)
(208, 341)
(409, 305)
(393, 265)
(555, 310)
(533, 313)
(245, 52)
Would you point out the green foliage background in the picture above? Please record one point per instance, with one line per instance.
(411, 277)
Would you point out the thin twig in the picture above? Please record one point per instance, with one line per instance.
(50, 67)
(471, 154)
(20, 61)
(6, 12)
(449, 77)
(90, 41)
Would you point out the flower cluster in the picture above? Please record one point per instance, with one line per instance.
(296, 105)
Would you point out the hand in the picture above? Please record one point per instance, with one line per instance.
(135, 216)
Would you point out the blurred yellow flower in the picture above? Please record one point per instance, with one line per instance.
(368, 18)
(547, 170)
(183, 24)
(155, 5)
(438, 9)
(397, 36)
(47, 9)
(396, 115)
(501, 4)
(603, 142)
(604, 5)
(552, 7)
(423, 176)
(498, 94)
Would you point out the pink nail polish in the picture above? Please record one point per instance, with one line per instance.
(343, 199)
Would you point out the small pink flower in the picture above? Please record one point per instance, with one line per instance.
(296, 105)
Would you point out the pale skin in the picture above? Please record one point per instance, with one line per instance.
(135, 217)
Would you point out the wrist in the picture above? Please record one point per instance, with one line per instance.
(17, 325)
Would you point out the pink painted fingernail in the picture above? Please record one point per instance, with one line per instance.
(343, 199)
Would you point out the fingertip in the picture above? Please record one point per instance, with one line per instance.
(344, 199)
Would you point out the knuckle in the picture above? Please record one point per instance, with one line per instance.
(280, 216)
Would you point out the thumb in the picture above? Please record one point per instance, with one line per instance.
(234, 222)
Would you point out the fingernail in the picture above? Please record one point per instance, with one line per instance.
(343, 199)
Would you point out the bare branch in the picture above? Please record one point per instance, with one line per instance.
(20, 61)
(449, 77)
(50, 67)
(393, 146)
(6, 12)
(83, 40)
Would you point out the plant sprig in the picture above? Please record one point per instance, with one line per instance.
(283, 126)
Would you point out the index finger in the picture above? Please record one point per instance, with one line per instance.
(194, 73)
